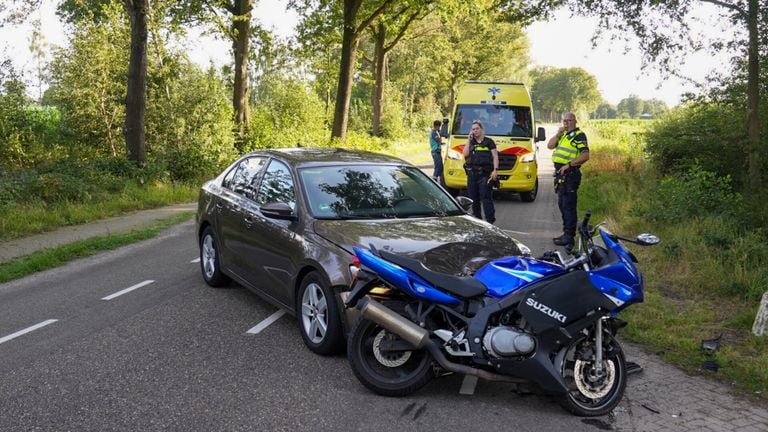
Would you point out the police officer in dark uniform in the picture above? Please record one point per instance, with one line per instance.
(571, 152)
(481, 166)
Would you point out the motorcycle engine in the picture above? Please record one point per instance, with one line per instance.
(506, 341)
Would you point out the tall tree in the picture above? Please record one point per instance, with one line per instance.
(631, 106)
(395, 25)
(557, 90)
(483, 47)
(136, 97)
(232, 19)
(356, 16)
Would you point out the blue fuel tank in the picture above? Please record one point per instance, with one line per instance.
(506, 275)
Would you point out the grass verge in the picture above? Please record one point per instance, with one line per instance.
(704, 279)
(50, 258)
(18, 220)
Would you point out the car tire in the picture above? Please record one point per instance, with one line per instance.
(318, 316)
(531, 195)
(210, 260)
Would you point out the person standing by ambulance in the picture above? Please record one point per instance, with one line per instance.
(571, 152)
(435, 143)
(482, 165)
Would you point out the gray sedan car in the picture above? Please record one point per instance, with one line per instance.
(282, 223)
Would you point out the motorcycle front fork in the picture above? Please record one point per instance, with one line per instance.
(599, 347)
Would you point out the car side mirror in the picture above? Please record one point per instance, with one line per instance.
(278, 210)
(464, 202)
(541, 134)
(444, 129)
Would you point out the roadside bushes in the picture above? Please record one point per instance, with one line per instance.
(71, 180)
(710, 136)
(693, 194)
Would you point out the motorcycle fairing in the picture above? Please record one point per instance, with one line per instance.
(506, 275)
(618, 293)
(554, 303)
(619, 265)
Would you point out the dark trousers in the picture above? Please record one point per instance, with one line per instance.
(481, 193)
(437, 158)
(567, 201)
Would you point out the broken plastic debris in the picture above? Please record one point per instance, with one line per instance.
(709, 346)
(711, 365)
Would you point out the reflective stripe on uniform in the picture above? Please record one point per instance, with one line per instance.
(567, 148)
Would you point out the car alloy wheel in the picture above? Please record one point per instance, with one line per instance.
(314, 313)
(210, 262)
(319, 319)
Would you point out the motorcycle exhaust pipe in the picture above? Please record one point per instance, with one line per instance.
(419, 338)
(394, 322)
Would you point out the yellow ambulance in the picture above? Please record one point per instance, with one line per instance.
(504, 109)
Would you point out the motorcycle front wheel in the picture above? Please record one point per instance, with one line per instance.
(379, 362)
(594, 392)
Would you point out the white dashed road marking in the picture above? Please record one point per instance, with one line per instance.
(127, 290)
(468, 385)
(26, 330)
(196, 260)
(266, 323)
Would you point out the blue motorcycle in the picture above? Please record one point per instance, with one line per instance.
(549, 321)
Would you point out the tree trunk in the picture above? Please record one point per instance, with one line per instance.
(136, 98)
(380, 61)
(754, 170)
(454, 83)
(241, 24)
(346, 73)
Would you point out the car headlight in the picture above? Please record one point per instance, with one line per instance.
(453, 154)
(530, 157)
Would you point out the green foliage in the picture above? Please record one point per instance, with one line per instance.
(89, 84)
(189, 122)
(693, 194)
(71, 180)
(709, 271)
(287, 113)
(703, 135)
(558, 90)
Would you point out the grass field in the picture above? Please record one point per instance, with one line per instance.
(705, 278)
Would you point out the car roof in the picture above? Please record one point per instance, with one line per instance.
(315, 156)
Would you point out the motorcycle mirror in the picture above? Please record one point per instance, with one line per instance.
(647, 239)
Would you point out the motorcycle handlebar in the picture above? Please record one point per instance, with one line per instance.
(585, 222)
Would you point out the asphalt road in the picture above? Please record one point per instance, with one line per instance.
(133, 339)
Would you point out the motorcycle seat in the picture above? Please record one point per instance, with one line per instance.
(460, 286)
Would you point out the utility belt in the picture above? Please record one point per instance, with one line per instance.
(568, 182)
(483, 171)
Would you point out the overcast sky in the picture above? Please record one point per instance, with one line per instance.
(553, 43)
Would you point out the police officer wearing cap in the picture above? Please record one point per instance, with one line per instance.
(482, 170)
(571, 152)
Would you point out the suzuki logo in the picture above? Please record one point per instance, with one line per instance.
(546, 310)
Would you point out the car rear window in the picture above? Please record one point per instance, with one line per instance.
(372, 192)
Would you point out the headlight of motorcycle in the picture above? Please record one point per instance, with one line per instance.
(453, 154)
(530, 157)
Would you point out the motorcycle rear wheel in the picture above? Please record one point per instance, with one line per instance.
(393, 373)
(591, 394)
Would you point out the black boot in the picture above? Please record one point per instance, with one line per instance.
(564, 240)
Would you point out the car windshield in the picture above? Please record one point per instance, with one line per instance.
(497, 120)
(373, 192)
